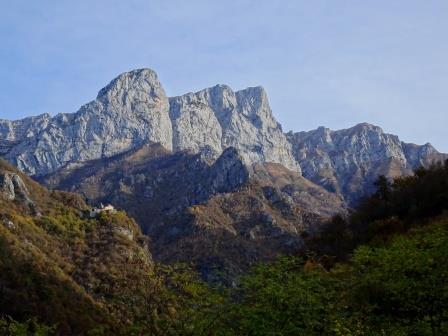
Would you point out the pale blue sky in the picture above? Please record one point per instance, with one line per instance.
(332, 63)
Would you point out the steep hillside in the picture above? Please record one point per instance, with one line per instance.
(266, 217)
(392, 280)
(66, 269)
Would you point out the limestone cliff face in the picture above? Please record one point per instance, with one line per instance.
(134, 109)
(348, 161)
(14, 130)
(216, 118)
(131, 110)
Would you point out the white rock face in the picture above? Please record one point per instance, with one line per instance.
(195, 126)
(18, 129)
(348, 161)
(217, 118)
(132, 109)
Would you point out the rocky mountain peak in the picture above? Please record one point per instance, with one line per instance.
(428, 148)
(349, 160)
(131, 110)
(256, 99)
(220, 92)
(134, 109)
(142, 82)
(218, 117)
(422, 155)
(255, 105)
(365, 127)
(136, 92)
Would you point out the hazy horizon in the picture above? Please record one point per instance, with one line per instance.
(322, 64)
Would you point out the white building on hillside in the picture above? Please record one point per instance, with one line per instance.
(96, 211)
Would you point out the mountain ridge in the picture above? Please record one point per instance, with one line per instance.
(133, 109)
(348, 161)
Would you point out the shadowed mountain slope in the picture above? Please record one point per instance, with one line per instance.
(186, 203)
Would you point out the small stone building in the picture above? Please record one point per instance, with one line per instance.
(94, 212)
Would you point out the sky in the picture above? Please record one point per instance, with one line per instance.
(323, 63)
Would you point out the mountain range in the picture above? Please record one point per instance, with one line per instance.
(210, 176)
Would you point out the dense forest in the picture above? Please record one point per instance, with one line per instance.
(380, 270)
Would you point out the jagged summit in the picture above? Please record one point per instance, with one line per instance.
(218, 117)
(348, 161)
(220, 88)
(145, 80)
(366, 126)
(12, 129)
(31, 118)
(133, 109)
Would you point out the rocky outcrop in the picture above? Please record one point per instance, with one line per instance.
(27, 127)
(425, 155)
(13, 132)
(13, 188)
(217, 118)
(348, 161)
